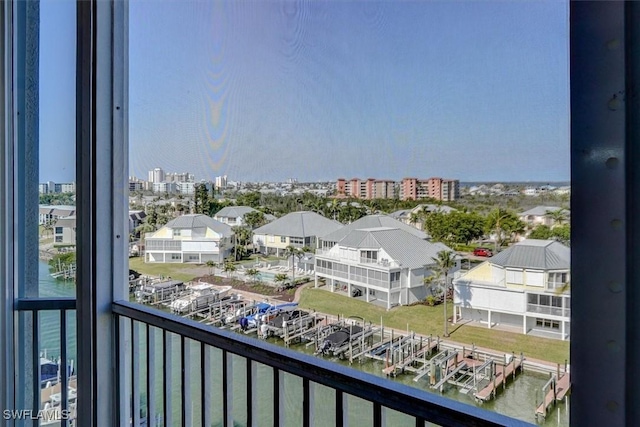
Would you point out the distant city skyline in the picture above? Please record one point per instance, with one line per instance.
(266, 91)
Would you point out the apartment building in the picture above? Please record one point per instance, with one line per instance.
(56, 187)
(436, 188)
(369, 188)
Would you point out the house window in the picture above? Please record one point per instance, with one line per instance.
(514, 276)
(368, 256)
(557, 280)
(547, 324)
(58, 230)
(283, 239)
(175, 257)
(58, 239)
(296, 241)
(176, 232)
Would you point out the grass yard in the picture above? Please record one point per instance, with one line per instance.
(184, 272)
(427, 320)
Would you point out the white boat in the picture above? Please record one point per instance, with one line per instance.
(199, 296)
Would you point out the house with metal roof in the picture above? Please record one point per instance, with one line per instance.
(523, 288)
(194, 238)
(48, 214)
(385, 265)
(413, 216)
(233, 215)
(369, 221)
(298, 229)
(540, 215)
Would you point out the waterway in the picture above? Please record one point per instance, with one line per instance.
(517, 400)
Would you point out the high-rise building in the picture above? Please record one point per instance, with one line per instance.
(221, 181)
(156, 175)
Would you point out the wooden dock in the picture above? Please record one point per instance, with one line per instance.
(499, 379)
(557, 391)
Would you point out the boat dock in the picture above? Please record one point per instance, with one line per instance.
(500, 374)
(554, 391)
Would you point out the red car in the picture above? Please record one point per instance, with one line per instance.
(482, 252)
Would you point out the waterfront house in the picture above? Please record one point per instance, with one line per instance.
(192, 238)
(369, 221)
(233, 215)
(382, 264)
(64, 231)
(523, 288)
(298, 229)
(540, 215)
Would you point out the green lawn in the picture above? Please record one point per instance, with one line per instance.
(175, 271)
(429, 320)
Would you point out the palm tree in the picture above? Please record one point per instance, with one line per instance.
(444, 262)
(558, 217)
(280, 278)
(293, 252)
(229, 268)
(210, 264)
(494, 222)
(252, 273)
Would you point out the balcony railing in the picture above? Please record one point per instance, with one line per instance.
(54, 405)
(360, 261)
(545, 309)
(251, 377)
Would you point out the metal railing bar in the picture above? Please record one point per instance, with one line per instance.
(312, 404)
(226, 400)
(402, 398)
(35, 351)
(135, 371)
(205, 354)
(118, 320)
(339, 408)
(276, 397)
(63, 367)
(250, 396)
(186, 383)
(151, 373)
(306, 421)
(44, 304)
(377, 415)
(419, 422)
(166, 379)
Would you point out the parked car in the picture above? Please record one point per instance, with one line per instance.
(482, 252)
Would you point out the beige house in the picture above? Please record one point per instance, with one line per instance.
(189, 238)
(523, 288)
(298, 229)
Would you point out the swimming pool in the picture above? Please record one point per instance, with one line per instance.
(268, 276)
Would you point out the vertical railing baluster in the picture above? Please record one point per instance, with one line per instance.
(64, 395)
(251, 397)
(205, 382)
(306, 404)
(116, 329)
(276, 397)
(151, 378)
(227, 389)
(35, 353)
(377, 415)
(340, 409)
(187, 413)
(312, 403)
(419, 422)
(135, 370)
(166, 377)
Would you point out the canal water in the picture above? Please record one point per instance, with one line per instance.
(517, 400)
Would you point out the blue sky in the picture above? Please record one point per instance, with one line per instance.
(326, 89)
